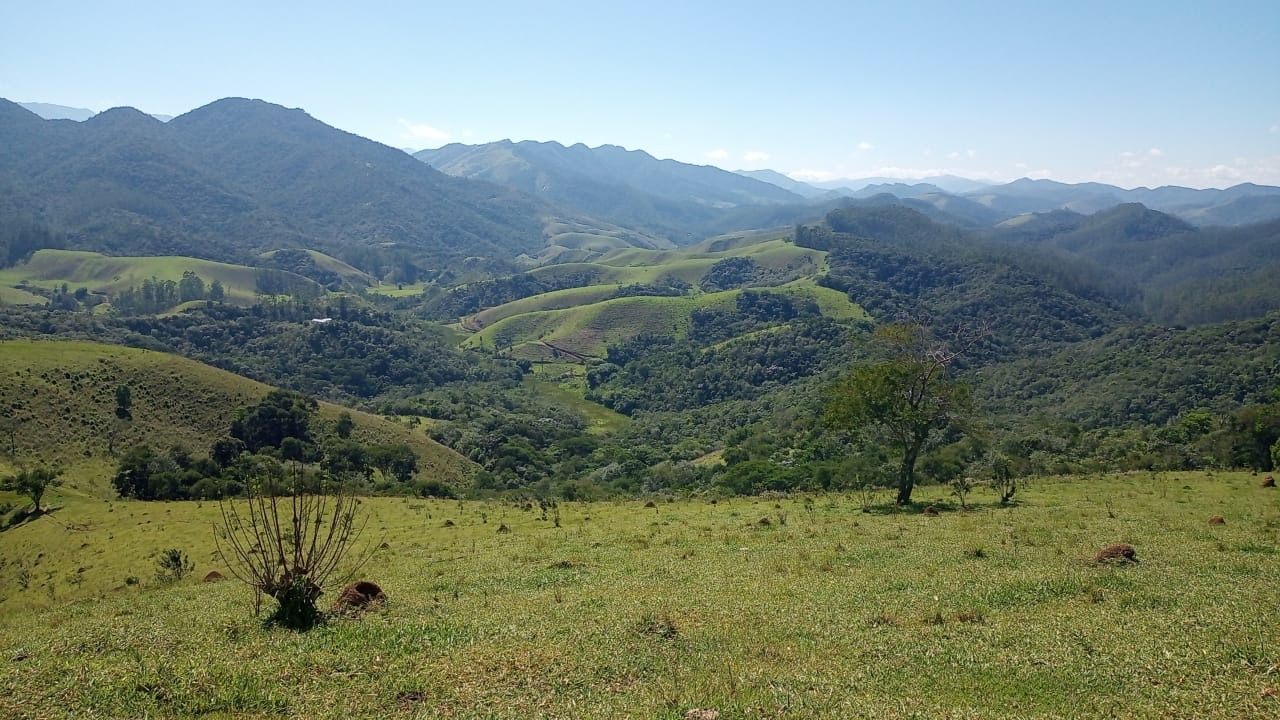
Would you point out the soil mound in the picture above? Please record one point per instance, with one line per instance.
(1118, 553)
(930, 511)
(1217, 520)
(358, 596)
(214, 576)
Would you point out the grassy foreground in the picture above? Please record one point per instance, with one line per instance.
(633, 612)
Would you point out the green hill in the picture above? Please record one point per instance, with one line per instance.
(611, 305)
(60, 400)
(106, 275)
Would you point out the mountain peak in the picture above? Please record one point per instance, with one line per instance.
(120, 118)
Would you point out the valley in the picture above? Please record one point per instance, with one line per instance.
(629, 436)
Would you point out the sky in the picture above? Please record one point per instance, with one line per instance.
(1129, 93)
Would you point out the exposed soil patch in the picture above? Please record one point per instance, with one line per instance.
(214, 576)
(1117, 553)
(359, 596)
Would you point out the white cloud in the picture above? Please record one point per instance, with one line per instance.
(1274, 129)
(954, 155)
(755, 156)
(1155, 152)
(864, 146)
(420, 131)
(717, 154)
(971, 153)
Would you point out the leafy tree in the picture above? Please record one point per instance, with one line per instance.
(190, 287)
(225, 450)
(216, 291)
(396, 461)
(133, 476)
(279, 415)
(345, 425)
(124, 402)
(33, 483)
(909, 397)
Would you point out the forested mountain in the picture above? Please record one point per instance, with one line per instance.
(627, 187)
(238, 177)
(1238, 205)
(1187, 275)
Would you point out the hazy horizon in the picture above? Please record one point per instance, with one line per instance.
(1141, 94)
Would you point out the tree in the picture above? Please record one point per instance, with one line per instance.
(124, 401)
(190, 287)
(133, 476)
(33, 483)
(345, 425)
(289, 545)
(216, 292)
(279, 415)
(908, 397)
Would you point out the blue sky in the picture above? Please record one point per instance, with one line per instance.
(1131, 93)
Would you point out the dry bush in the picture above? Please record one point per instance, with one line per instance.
(290, 543)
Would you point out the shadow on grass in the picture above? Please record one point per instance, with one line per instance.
(939, 506)
(22, 517)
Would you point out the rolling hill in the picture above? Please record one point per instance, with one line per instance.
(60, 396)
(106, 275)
(582, 321)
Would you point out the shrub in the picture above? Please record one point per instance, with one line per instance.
(289, 543)
(172, 566)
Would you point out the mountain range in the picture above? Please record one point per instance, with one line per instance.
(238, 177)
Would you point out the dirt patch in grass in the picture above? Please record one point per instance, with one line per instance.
(1117, 553)
(358, 596)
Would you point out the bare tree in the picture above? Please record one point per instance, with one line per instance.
(290, 543)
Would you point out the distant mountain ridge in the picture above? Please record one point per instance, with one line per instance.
(50, 111)
(1242, 204)
(627, 187)
(238, 177)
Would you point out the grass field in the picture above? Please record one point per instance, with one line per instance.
(61, 396)
(105, 274)
(579, 321)
(632, 612)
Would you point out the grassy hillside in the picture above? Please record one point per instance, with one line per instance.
(626, 611)
(589, 329)
(61, 396)
(328, 263)
(586, 319)
(108, 275)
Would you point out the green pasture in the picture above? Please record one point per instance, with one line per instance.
(780, 607)
(98, 273)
